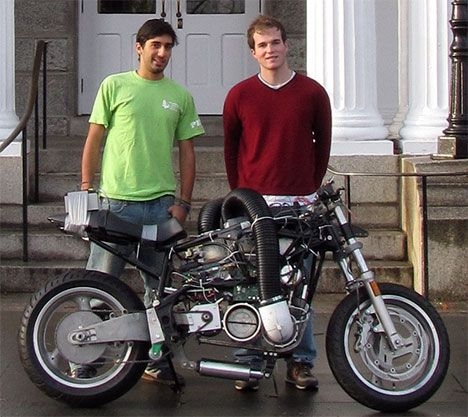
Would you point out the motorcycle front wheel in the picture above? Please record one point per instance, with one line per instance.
(100, 372)
(368, 369)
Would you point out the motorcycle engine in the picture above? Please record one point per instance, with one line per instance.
(221, 276)
(220, 261)
(223, 294)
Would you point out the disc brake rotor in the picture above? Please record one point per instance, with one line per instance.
(78, 353)
(403, 364)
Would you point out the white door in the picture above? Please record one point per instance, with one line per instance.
(212, 54)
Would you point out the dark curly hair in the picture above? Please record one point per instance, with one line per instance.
(155, 27)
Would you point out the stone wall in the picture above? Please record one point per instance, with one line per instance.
(294, 21)
(54, 22)
(446, 225)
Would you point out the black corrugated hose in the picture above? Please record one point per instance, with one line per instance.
(241, 202)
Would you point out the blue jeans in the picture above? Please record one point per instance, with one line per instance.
(305, 352)
(139, 212)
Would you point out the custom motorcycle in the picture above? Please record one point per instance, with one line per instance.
(245, 280)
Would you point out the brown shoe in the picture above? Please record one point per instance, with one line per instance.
(300, 375)
(251, 385)
(161, 376)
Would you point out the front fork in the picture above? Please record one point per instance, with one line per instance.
(353, 249)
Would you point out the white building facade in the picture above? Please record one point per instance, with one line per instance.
(384, 63)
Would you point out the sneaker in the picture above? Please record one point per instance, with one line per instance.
(300, 375)
(83, 372)
(251, 385)
(161, 376)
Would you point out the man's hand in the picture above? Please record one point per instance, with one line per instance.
(179, 212)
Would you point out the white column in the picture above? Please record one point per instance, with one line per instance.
(11, 172)
(341, 55)
(397, 124)
(8, 117)
(428, 65)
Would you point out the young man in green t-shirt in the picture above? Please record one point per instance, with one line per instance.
(142, 113)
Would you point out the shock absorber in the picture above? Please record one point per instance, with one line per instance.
(353, 249)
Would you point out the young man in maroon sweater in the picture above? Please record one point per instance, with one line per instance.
(277, 137)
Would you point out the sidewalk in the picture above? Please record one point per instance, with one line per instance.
(205, 396)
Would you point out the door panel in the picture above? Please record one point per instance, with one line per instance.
(212, 54)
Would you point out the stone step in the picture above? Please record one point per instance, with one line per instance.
(374, 200)
(52, 187)
(370, 215)
(213, 125)
(47, 243)
(211, 185)
(63, 155)
(26, 277)
(448, 213)
(442, 194)
(11, 215)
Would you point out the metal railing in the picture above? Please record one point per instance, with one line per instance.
(423, 176)
(32, 104)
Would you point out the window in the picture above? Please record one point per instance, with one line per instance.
(127, 6)
(215, 6)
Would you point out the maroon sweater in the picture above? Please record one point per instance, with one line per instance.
(277, 141)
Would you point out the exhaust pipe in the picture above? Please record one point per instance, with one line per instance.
(228, 370)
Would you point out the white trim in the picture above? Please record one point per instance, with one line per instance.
(8, 117)
(14, 149)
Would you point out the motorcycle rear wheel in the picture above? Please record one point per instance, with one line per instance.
(365, 366)
(77, 298)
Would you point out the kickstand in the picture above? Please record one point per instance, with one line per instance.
(270, 371)
(176, 387)
(275, 385)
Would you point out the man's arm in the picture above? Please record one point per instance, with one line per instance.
(187, 180)
(323, 134)
(91, 155)
(232, 129)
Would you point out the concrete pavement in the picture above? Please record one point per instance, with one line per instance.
(204, 396)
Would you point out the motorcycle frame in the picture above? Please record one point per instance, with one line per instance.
(336, 235)
(333, 212)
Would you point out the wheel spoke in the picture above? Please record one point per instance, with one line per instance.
(83, 302)
(55, 357)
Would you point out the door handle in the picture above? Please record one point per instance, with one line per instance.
(180, 20)
(163, 9)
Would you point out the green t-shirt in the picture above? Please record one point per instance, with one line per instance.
(142, 118)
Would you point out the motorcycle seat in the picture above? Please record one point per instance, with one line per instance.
(106, 226)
